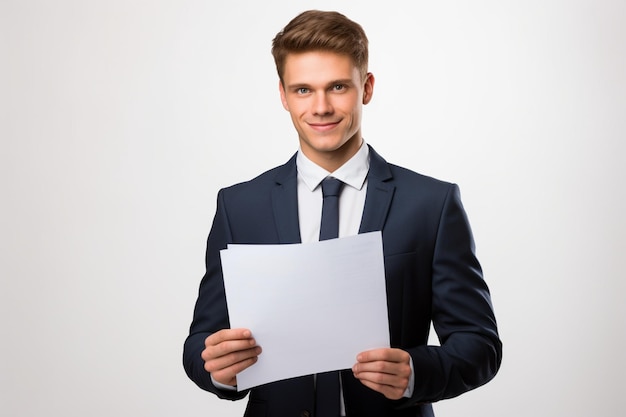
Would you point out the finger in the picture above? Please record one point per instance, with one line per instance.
(385, 354)
(226, 335)
(390, 380)
(393, 393)
(228, 376)
(214, 364)
(226, 348)
(400, 369)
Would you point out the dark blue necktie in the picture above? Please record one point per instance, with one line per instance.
(329, 229)
(327, 383)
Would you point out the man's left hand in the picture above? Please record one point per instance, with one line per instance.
(384, 370)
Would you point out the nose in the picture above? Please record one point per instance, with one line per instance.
(322, 105)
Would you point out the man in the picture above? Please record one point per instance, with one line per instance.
(431, 271)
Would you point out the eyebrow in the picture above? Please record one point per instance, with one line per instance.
(347, 81)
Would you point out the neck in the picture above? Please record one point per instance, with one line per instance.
(333, 160)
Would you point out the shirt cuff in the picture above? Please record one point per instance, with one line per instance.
(230, 387)
(409, 389)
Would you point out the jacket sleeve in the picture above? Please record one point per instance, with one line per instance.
(210, 313)
(470, 350)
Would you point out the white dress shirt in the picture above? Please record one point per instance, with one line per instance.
(351, 200)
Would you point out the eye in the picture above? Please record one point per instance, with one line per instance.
(339, 87)
(302, 90)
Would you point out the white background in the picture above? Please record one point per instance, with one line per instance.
(120, 120)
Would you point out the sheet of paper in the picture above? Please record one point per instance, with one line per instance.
(311, 307)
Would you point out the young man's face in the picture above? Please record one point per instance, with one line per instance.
(324, 94)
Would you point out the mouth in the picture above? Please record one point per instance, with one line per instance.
(323, 127)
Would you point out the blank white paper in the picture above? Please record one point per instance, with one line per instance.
(311, 307)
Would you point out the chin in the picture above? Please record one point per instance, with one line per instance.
(329, 147)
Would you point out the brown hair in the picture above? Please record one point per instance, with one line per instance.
(316, 30)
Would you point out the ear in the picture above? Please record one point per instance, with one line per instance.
(283, 99)
(368, 88)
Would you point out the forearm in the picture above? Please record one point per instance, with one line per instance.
(466, 361)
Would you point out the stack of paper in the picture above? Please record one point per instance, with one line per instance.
(311, 307)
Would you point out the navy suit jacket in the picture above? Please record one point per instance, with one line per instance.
(431, 272)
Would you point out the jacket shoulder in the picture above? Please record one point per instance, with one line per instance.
(408, 181)
(403, 178)
(260, 186)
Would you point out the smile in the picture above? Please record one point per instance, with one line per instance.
(323, 127)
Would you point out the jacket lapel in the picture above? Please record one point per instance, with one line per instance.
(377, 200)
(379, 194)
(285, 203)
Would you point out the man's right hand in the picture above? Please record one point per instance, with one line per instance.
(228, 352)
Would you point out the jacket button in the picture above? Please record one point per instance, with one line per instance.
(305, 413)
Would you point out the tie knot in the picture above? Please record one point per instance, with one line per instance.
(331, 187)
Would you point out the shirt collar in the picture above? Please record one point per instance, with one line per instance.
(353, 172)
